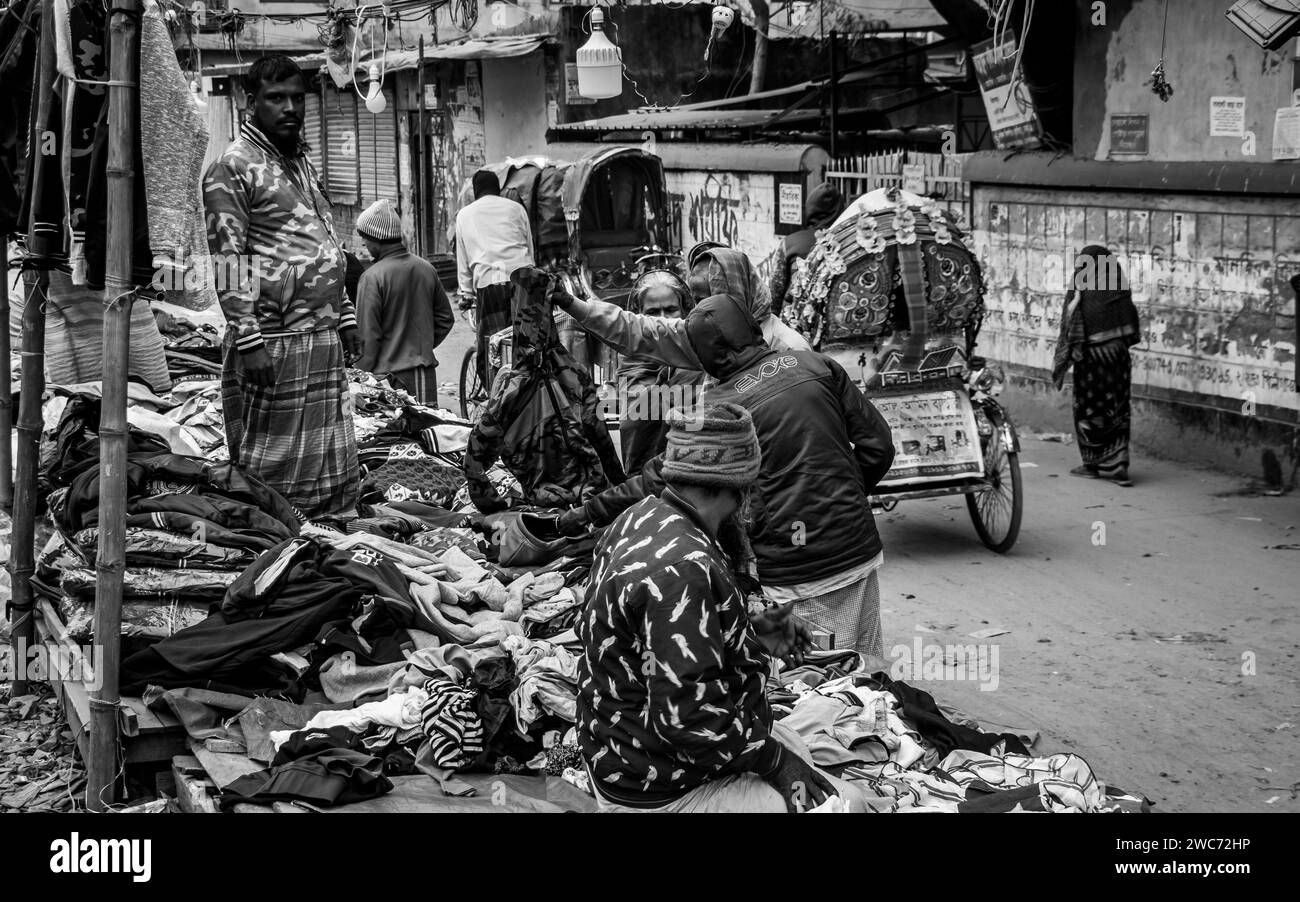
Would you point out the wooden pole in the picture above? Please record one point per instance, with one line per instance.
(40, 248)
(835, 95)
(6, 387)
(421, 168)
(123, 123)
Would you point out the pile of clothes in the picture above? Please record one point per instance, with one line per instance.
(193, 525)
(908, 753)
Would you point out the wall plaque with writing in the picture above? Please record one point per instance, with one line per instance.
(1129, 133)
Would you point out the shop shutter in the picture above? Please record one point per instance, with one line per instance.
(341, 145)
(312, 134)
(377, 146)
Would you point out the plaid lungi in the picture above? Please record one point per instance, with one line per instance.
(852, 614)
(421, 382)
(296, 435)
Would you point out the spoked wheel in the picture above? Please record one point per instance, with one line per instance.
(473, 396)
(996, 511)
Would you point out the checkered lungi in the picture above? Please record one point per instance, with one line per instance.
(421, 382)
(851, 614)
(296, 435)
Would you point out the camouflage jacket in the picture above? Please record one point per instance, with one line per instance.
(548, 432)
(671, 680)
(542, 418)
(267, 215)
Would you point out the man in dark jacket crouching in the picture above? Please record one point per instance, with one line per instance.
(825, 447)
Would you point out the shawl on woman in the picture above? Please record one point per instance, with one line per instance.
(1094, 315)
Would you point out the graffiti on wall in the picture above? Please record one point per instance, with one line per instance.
(1218, 312)
(735, 209)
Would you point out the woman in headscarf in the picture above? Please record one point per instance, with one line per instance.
(643, 429)
(714, 269)
(823, 207)
(1098, 326)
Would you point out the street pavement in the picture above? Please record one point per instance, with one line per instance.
(1166, 657)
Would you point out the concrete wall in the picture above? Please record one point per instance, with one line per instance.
(1205, 56)
(514, 106)
(1217, 365)
(735, 208)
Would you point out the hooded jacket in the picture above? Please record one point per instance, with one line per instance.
(824, 445)
(542, 419)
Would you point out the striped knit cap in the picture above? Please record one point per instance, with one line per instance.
(715, 446)
(380, 222)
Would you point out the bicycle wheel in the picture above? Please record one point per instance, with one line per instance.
(473, 396)
(996, 512)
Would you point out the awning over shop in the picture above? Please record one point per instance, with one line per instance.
(402, 60)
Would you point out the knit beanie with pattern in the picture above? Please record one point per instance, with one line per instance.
(380, 222)
(713, 446)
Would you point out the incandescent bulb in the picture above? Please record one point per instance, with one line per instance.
(375, 101)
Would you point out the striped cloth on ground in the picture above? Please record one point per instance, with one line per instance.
(451, 722)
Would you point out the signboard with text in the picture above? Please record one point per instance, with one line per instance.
(935, 437)
(1013, 117)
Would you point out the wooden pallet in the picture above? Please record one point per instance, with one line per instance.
(147, 736)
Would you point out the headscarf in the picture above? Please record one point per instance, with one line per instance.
(661, 277)
(1098, 308)
(824, 205)
(728, 271)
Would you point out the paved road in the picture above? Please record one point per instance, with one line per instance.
(1189, 723)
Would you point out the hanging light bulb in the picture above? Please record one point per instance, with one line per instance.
(600, 63)
(375, 101)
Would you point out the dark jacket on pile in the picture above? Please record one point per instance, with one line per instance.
(152, 478)
(825, 446)
(542, 420)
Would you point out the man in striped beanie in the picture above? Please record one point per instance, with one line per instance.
(672, 714)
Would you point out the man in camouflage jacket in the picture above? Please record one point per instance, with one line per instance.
(280, 278)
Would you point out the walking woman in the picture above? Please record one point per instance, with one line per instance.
(1098, 326)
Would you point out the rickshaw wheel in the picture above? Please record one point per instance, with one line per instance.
(996, 512)
(472, 394)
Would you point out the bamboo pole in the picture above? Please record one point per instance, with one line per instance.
(421, 168)
(123, 123)
(40, 248)
(22, 551)
(6, 387)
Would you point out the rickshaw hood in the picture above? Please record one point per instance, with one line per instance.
(725, 336)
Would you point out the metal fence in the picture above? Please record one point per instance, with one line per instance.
(935, 174)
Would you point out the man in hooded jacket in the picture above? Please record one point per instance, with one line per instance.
(824, 448)
(825, 204)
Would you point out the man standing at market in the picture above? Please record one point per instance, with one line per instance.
(402, 310)
(493, 239)
(672, 714)
(825, 446)
(283, 383)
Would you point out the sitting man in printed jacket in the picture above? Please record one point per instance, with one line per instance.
(672, 712)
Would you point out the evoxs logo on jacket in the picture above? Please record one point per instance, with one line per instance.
(771, 368)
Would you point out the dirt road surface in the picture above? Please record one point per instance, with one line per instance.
(1208, 723)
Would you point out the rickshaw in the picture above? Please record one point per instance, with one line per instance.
(894, 294)
(598, 224)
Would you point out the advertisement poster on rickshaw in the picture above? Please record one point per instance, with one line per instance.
(935, 437)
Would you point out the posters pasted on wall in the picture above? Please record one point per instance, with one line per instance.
(935, 437)
(790, 204)
(1227, 117)
(1286, 133)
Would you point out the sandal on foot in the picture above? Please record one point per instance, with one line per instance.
(1085, 472)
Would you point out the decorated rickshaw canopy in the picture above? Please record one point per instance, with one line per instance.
(892, 268)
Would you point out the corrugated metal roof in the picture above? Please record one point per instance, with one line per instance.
(671, 119)
(720, 157)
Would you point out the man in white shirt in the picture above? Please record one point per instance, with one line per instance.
(493, 239)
